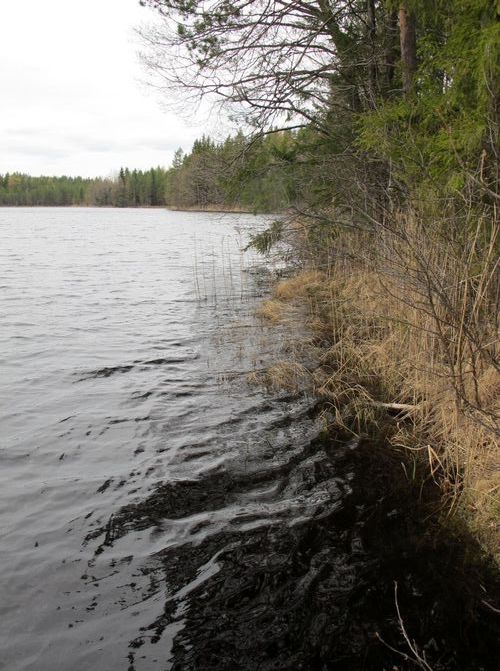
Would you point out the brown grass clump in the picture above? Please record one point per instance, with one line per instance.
(289, 375)
(385, 351)
(271, 311)
(416, 327)
(299, 286)
(290, 296)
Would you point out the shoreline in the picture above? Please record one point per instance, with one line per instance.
(353, 360)
(424, 576)
(214, 210)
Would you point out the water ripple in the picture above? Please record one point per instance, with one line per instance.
(95, 477)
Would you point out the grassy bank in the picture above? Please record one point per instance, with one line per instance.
(403, 328)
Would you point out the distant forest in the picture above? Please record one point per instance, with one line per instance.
(237, 173)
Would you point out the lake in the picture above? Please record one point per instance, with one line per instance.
(118, 333)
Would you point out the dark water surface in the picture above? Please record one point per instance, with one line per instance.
(110, 385)
(156, 511)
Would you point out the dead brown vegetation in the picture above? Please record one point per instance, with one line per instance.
(413, 324)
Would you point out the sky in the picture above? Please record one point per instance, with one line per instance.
(72, 97)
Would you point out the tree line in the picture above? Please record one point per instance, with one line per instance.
(241, 173)
(128, 189)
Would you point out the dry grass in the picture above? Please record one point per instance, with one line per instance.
(299, 286)
(289, 375)
(271, 311)
(390, 343)
(385, 348)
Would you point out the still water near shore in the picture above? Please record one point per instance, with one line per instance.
(118, 327)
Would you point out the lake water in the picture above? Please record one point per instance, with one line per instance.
(157, 511)
(117, 327)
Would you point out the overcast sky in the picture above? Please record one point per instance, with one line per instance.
(71, 101)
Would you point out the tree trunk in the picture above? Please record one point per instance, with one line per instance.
(391, 50)
(372, 32)
(408, 41)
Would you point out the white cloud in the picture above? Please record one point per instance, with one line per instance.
(72, 102)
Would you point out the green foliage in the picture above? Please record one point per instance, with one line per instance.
(252, 174)
(19, 189)
(263, 242)
(129, 189)
(439, 135)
